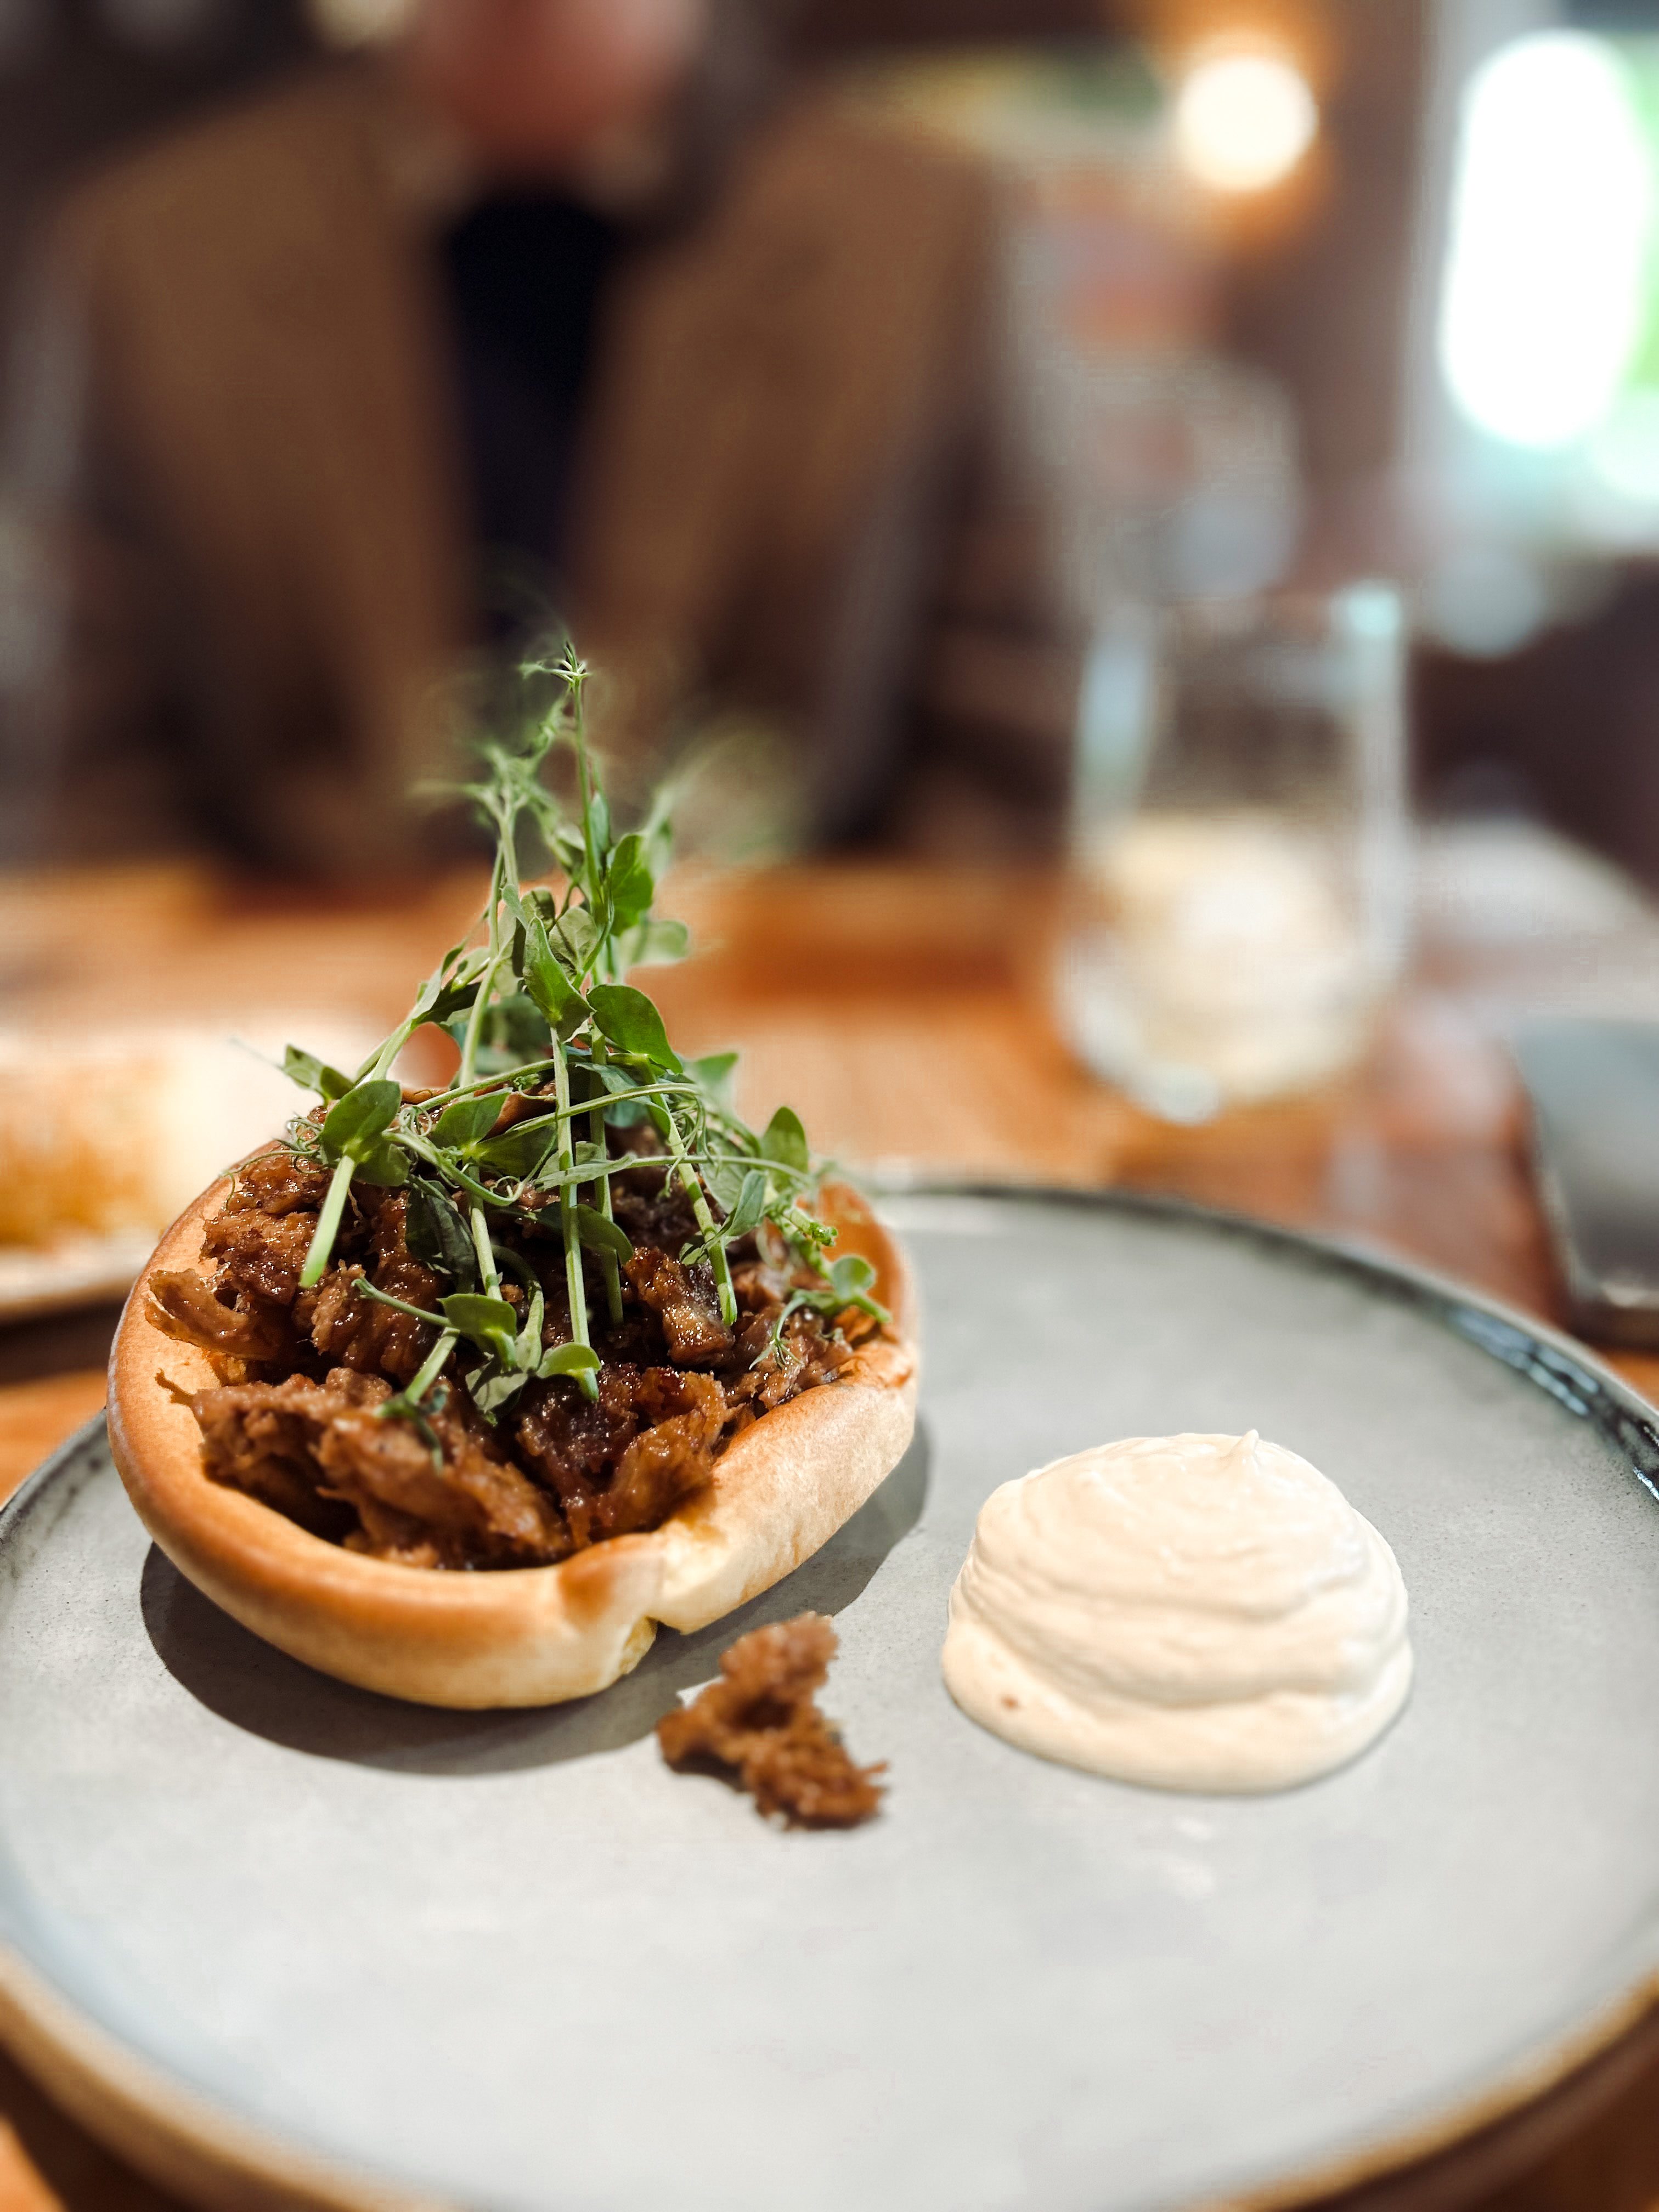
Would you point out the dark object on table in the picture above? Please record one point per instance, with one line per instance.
(759, 1726)
(1594, 1089)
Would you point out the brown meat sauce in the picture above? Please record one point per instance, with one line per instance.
(295, 1419)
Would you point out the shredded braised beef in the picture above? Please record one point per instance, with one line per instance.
(759, 1728)
(298, 1419)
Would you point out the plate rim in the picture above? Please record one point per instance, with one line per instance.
(189, 2143)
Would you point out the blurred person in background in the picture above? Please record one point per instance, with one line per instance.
(552, 304)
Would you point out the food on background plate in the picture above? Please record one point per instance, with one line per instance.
(1191, 1612)
(111, 1133)
(759, 1728)
(106, 1134)
(457, 1393)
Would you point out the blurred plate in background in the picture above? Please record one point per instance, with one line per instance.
(107, 1134)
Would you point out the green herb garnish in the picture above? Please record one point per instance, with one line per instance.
(535, 1000)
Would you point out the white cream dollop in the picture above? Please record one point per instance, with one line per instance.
(1193, 1612)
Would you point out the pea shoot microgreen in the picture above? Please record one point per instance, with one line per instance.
(845, 1287)
(537, 1000)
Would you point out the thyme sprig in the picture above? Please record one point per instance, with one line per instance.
(535, 1000)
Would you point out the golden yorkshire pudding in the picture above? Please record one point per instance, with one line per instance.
(521, 1635)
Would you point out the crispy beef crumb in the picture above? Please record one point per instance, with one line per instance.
(759, 1728)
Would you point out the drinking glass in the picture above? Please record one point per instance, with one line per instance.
(1239, 860)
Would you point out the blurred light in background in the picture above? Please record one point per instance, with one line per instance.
(1550, 217)
(1624, 453)
(1243, 118)
(1173, 469)
(358, 22)
(1532, 446)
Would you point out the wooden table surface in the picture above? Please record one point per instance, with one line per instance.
(905, 1015)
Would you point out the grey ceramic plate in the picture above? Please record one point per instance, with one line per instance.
(511, 1960)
